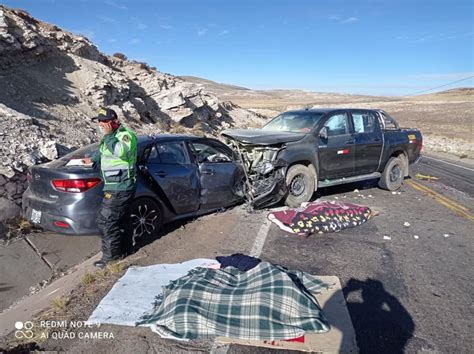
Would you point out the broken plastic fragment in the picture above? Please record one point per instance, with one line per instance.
(446, 235)
(407, 224)
(416, 237)
(426, 177)
(387, 237)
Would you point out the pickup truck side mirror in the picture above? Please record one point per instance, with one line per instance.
(323, 133)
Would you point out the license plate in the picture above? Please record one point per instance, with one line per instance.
(35, 216)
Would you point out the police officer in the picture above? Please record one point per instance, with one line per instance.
(117, 155)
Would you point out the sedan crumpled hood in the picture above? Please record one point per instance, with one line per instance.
(262, 137)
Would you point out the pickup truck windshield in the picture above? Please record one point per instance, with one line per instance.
(294, 122)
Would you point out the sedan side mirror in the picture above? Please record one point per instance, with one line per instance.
(323, 133)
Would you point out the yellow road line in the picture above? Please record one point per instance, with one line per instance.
(436, 194)
(448, 203)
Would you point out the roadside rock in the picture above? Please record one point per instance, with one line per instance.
(54, 81)
(8, 210)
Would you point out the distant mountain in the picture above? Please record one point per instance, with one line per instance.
(216, 86)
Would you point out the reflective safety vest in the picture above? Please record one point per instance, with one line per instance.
(118, 166)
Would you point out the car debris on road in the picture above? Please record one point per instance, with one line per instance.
(426, 177)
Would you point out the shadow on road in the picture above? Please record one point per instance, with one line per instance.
(381, 323)
(5, 287)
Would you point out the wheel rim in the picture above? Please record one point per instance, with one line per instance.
(297, 185)
(144, 220)
(395, 173)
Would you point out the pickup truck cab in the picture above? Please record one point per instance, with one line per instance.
(300, 151)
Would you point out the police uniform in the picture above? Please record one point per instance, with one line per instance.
(117, 156)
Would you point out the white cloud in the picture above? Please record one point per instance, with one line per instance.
(202, 32)
(334, 17)
(166, 27)
(116, 5)
(134, 41)
(223, 33)
(112, 40)
(107, 19)
(349, 20)
(142, 26)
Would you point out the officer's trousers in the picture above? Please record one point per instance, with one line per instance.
(111, 221)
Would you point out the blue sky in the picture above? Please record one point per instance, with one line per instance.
(361, 46)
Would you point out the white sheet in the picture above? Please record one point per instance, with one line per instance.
(134, 294)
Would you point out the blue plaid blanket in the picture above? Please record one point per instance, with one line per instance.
(266, 302)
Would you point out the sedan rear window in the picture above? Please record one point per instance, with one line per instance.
(86, 151)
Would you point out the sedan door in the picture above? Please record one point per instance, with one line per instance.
(336, 152)
(221, 179)
(368, 141)
(170, 167)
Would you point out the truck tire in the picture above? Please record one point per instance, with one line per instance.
(300, 182)
(393, 175)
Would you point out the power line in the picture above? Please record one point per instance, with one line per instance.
(437, 87)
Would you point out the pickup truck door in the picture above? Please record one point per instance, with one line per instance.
(368, 141)
(170, 167)
(336, 153)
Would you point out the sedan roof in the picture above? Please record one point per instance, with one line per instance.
(143, 139)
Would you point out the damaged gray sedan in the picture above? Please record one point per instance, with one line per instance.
(177, 177)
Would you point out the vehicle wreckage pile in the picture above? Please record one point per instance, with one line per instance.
(53, 81)
(263, 173)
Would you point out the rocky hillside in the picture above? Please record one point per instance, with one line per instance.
(52, 82)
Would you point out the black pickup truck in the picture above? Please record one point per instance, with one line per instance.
(300, 151)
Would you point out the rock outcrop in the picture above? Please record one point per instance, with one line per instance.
(52, 81)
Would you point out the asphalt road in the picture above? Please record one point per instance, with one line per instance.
(404, 294)
(455, 174)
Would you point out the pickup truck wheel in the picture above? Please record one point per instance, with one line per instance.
(392, 176)
(300, 183)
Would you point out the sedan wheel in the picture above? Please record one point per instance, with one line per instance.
(145, 218)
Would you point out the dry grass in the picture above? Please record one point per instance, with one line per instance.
(60, 303)
(115, 267)
(17, 227)
(88, 278)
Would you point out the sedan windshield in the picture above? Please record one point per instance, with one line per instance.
(294, 122)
